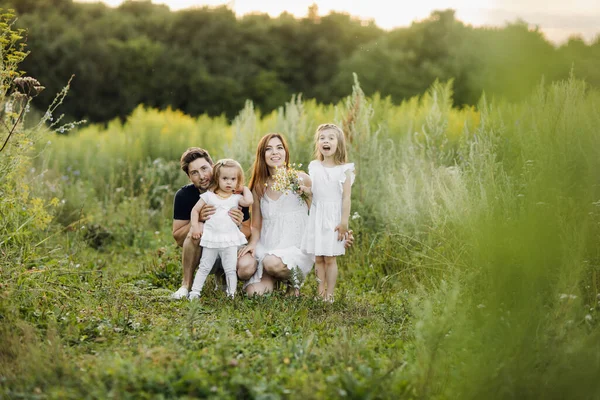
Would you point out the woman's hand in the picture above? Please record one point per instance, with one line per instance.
(206, 212)
(306, 190)
(342, 230)
(249, 248)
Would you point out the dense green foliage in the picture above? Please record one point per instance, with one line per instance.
(204, 60)
(475, 272)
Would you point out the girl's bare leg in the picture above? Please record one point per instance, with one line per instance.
(320, 273)
(331, 273)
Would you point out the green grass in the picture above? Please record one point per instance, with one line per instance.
(110, 327)
(475, 272)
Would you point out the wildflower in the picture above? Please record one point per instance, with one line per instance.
(288, 180)
(297, 278)
(567, 296)
(355, 216)
(29, 85)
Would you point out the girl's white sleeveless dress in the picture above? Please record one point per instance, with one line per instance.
(283, 224)
(320, 237)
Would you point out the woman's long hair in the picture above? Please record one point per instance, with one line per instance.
(260, 171)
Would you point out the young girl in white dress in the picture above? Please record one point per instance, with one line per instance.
(327, 228)
(219, 235)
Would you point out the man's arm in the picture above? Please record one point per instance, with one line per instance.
(181, 228)
(246, 228)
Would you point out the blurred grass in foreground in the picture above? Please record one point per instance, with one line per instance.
(474, 275)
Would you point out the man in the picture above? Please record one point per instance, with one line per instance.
(197, 164)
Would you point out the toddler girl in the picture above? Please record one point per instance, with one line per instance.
(220, 236)
(327, 227)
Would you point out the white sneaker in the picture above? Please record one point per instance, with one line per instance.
(194, 296)
(181, 293)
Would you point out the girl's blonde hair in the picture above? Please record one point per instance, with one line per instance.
(340, 156)
(226, 163)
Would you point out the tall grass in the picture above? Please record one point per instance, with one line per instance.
(518, 316)
(487, 218)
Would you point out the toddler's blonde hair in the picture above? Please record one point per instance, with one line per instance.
(226, 163)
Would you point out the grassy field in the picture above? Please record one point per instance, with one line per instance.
(474, 273)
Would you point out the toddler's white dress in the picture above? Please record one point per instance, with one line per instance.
(220, 230)
(283, 224)
(320, 237)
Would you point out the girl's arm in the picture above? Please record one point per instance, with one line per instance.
(342, 228)
(306, 187)
(196, 226)
(256, 218)
(246, 200)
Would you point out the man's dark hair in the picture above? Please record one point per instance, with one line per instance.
(192, 154)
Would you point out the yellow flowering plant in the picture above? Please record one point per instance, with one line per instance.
(288, 179)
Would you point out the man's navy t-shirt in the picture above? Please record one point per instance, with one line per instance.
(186, 198)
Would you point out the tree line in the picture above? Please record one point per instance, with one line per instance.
(207, 60)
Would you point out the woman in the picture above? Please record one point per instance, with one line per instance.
(278, 221)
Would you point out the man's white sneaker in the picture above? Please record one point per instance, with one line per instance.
(194, 296)
(181, 293)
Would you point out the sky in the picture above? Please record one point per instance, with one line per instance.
(557, 19)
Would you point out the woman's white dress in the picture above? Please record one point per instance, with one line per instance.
(320, 237)
(283, 224)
